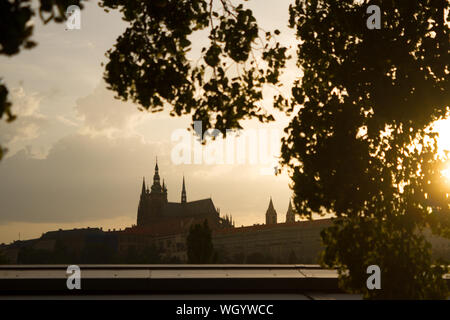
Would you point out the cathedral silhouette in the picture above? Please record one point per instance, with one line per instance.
(154, 207)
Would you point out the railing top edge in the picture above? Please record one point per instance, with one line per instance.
(162, 266)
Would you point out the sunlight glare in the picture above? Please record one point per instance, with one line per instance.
(443, 128)
(446, 174)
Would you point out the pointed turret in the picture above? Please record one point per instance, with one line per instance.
(143, 186)
(271, 214)
(156, 187)
(290, 215)
(183, 193)
(164, 191)
(142, 202)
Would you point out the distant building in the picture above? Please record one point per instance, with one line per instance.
(293, 242)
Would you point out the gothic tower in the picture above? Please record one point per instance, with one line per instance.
(183, 193)
(156, 187)
(153, 201)
(271, 214)
(142, 204)
(290, 216)
(164, 190)
(157, 196)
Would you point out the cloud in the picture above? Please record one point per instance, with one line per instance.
(29, 122)
(25, 104)
(82, 178)
(102, 113)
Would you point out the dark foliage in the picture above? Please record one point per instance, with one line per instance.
(149, 63)
(200, 249)
(358, 147)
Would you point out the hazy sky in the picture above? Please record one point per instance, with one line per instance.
(77, 156)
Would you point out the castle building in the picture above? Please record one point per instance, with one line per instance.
(154, 208)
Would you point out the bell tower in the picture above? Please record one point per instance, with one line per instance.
(152, 200)
(183, 193)
(290, 215)
(271, 214)
(142, 207)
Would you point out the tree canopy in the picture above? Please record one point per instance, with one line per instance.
(149, 63)
(199, 244)
(359, 147)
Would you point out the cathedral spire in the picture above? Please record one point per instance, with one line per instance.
(141, 205)
(271, 214)
(156, 187)
(290, 215)
(271, 207)
(143, 185)
(164, 191)
(183, 193)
